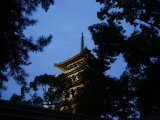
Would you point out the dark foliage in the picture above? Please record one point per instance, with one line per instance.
(103, 95)
(53, 90)
(16, 98)
(140, 50)
(14, 45)
(107, 45)
(90, 97)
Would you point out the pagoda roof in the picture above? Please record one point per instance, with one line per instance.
(78, 56)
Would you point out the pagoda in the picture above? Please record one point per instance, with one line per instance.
(74, 66)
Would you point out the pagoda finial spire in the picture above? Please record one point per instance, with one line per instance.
(82, 42)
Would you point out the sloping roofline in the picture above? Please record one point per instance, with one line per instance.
(74, 58)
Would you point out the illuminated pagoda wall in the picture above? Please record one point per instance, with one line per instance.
(74, 66)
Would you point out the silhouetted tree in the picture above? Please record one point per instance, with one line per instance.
(124, 98)
(53, 90)
(103, 95)
(16, 98)
(90, 98)
(108, 39)
(44, 81)
(140, 50)
(37, 100)
(15, 45)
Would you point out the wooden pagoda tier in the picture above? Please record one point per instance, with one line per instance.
(75, 65)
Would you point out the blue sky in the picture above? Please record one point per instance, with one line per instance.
(65, 20)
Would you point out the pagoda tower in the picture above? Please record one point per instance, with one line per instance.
(74, 66)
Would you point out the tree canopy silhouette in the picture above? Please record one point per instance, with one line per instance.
(47, 90)
(14, 44)
(140, 50)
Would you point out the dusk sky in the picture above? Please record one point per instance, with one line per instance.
(65, 21)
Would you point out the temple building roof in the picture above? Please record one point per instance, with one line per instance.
(78, 59)
(78, 63)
